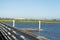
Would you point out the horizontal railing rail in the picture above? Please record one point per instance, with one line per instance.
(14, 33)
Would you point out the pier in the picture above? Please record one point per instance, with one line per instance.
(13, 33)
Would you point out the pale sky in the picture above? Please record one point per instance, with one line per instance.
(30, 9)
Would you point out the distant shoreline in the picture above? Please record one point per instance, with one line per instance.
(25, 20)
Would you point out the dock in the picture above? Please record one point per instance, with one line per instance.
(31, 29)
(14, 33)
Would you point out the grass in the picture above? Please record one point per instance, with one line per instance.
(50, 21)
(19, 20)
(43, 21)
(5, 20)
(26, 20)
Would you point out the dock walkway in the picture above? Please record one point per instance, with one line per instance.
(13, 33)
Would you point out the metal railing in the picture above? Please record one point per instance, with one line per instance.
(13, 33)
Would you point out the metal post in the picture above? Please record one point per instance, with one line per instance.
(39, 25)
(39, 28)
(13, 23)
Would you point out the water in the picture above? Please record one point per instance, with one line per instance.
(50, 31)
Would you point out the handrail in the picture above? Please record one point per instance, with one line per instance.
(1, 35)
(17, 34)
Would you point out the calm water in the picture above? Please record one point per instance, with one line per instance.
(50, 31)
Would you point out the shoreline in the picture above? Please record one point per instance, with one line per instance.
(42, 21)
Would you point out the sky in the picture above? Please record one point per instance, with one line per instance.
(39, 9)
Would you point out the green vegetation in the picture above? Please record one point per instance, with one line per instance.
(50, 21)
(25, 20)
(17, 20)
(5, 20)
(22, 20)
